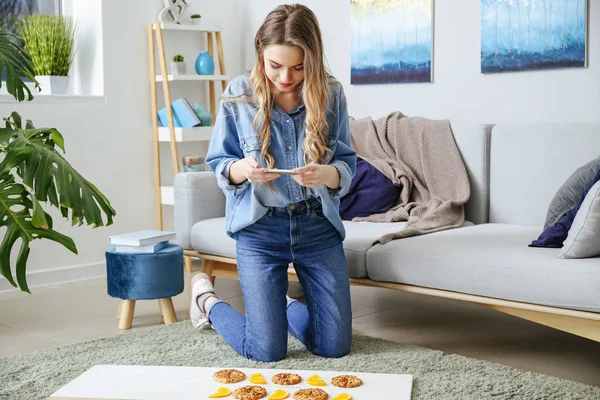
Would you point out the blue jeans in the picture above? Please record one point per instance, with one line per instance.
(301, 235)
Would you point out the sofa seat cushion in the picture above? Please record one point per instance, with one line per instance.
(360, 237)
(490, 260)
(209, 237)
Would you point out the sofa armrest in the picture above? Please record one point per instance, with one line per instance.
(197, 197)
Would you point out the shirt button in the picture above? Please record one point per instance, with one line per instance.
(289, 147)
(288, 121)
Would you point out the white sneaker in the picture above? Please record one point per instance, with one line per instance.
(201, 285)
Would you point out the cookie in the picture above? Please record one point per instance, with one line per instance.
(286, 379)
(346, 381)
(250, 393)
(229, 376)
(310, 394)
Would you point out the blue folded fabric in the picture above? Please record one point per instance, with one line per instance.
(371, 192)
(555, 235)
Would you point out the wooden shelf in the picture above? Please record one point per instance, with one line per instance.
(167, 195)
(159, 78)
(190, 27)
(197, 134)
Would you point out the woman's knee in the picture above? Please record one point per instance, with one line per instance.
(333, 350)
(267, 349)
(267, 355)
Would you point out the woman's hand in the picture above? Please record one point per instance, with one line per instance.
(314, 175)
(247, 169)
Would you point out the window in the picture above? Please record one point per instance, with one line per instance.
(47, 7)
(14, 9)
(86, 73)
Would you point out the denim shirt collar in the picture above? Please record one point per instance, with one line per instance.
(277, 107)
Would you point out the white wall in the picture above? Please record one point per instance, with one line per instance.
(110, 143)
(460, 92)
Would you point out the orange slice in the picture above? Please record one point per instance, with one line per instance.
(257, 379)
(221, 392)
(343, 396)
(316, 380)
(279, 395)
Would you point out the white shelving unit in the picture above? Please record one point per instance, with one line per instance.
(189, 28)
(172, 134)
(198, 134)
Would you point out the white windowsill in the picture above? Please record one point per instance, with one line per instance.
(56, 98)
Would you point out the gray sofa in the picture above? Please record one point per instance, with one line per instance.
(514, 172)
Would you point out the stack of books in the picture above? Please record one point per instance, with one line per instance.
(141, 241)
(184, 115)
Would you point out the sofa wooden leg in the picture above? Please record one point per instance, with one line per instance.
(119, 309)
(167, 310)
(207, 268)
(187, 261)
(126, 318)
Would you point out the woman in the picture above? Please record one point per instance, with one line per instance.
(288, 114)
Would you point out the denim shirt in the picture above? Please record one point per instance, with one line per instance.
(234, 138)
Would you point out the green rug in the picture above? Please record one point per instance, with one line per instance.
(436, 375)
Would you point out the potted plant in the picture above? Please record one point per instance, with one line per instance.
(49, 40)
(33, 172)
(178, 66)
(195, 19)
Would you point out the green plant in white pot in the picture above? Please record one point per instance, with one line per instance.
(178, 65)
(33, 173)
(49, 40)
(195, 19)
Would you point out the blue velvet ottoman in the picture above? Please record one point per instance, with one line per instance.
(145, 276)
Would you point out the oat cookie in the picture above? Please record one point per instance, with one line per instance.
(286, 379)
(346, 381)
(310, 394)
(250, 393)
(229, 376)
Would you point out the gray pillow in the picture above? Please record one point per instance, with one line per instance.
(571, 191)
(584, 235)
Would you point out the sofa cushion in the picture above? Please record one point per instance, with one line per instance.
(540, 156)
(209, 237)
(584, 236)
(555, 235)
(371, 192)
(360, 237)
(489, 260)
(571, 191)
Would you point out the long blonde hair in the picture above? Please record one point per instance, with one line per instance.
(293, 25)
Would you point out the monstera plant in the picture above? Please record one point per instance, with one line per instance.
(32, 172)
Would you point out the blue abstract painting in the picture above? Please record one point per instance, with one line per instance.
(524, 35)
(392, 41)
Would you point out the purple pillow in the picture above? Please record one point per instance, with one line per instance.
(371, 192)
(554, 235)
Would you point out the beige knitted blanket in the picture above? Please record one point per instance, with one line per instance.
(420, 156)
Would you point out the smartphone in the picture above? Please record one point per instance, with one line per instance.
(283, 171)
